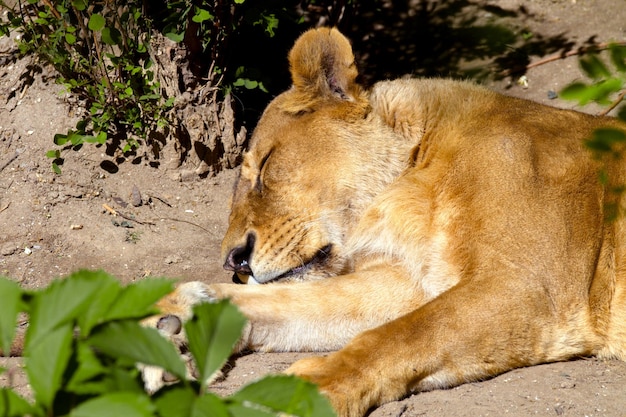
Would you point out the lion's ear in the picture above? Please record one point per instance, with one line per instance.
(322, 65)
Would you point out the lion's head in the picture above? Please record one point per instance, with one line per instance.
(317, 157)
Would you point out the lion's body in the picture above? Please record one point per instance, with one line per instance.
(462, 232)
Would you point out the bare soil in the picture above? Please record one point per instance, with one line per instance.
(52, 225)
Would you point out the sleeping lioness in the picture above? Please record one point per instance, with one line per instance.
(432, 232)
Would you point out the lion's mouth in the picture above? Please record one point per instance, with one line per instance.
(319, 259)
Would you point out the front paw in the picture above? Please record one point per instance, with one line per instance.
(175, 309)
(154, 377)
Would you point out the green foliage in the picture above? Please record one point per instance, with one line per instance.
(606, 86)
(209, 28)
(604, 82)
(84, 340)
(100, 50)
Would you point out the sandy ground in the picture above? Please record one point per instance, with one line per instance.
(51, 225)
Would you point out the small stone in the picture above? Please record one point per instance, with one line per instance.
(135, 197)
(8, 249)
(173, 259)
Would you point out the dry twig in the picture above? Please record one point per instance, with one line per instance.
(580, 51)
(613, 105)
(125, 216)
(8, 161)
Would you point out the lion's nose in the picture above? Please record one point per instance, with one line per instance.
(238, 259)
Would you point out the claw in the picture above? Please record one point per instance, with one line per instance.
(169, 378)
(169, 325)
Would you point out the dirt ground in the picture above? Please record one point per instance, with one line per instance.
(51, 225)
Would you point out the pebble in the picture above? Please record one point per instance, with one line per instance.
(173, 259)
(8, 249)
(135, 197)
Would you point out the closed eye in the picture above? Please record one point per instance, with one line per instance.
(258, 186)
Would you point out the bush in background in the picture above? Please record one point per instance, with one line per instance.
(158, 79)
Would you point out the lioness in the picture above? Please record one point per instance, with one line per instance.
(431, 231)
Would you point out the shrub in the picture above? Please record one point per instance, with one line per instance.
(84, 341)
(100, 50)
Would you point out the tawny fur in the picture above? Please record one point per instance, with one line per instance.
(467, 232)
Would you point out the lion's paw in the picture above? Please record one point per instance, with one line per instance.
(175, 309)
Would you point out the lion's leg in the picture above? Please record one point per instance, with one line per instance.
(471, 332)
(307, 316)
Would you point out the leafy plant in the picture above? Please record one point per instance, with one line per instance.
(84, 341)
(100, 50)
(606, 86)
(139, 98)
(605, 81)
(209, 28)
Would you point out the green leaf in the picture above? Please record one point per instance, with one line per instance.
(271, 23)
(111, 36)
(56, 168)
(127, 404)
(60, 139)
(183, 401)
(70, 38)
(89, 367)
(92, 139)
(80, 5)
(53, 154)
(212, 333)
(150, 97)
(251, 84)
(603, 139)
(9, 308)
(248, 410)
(127, 339)
(12, 405)
(108, 291)
(175, 401)
(101, 138)
(137, 300)
(96, 22)
(609, 135)
(46, 362)
(284, 394)
(201, 15)
(61, 302)
(76, 138)
(618, 56)
(209, 405)
(598, 92)
(594, 67)
(176, 37)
